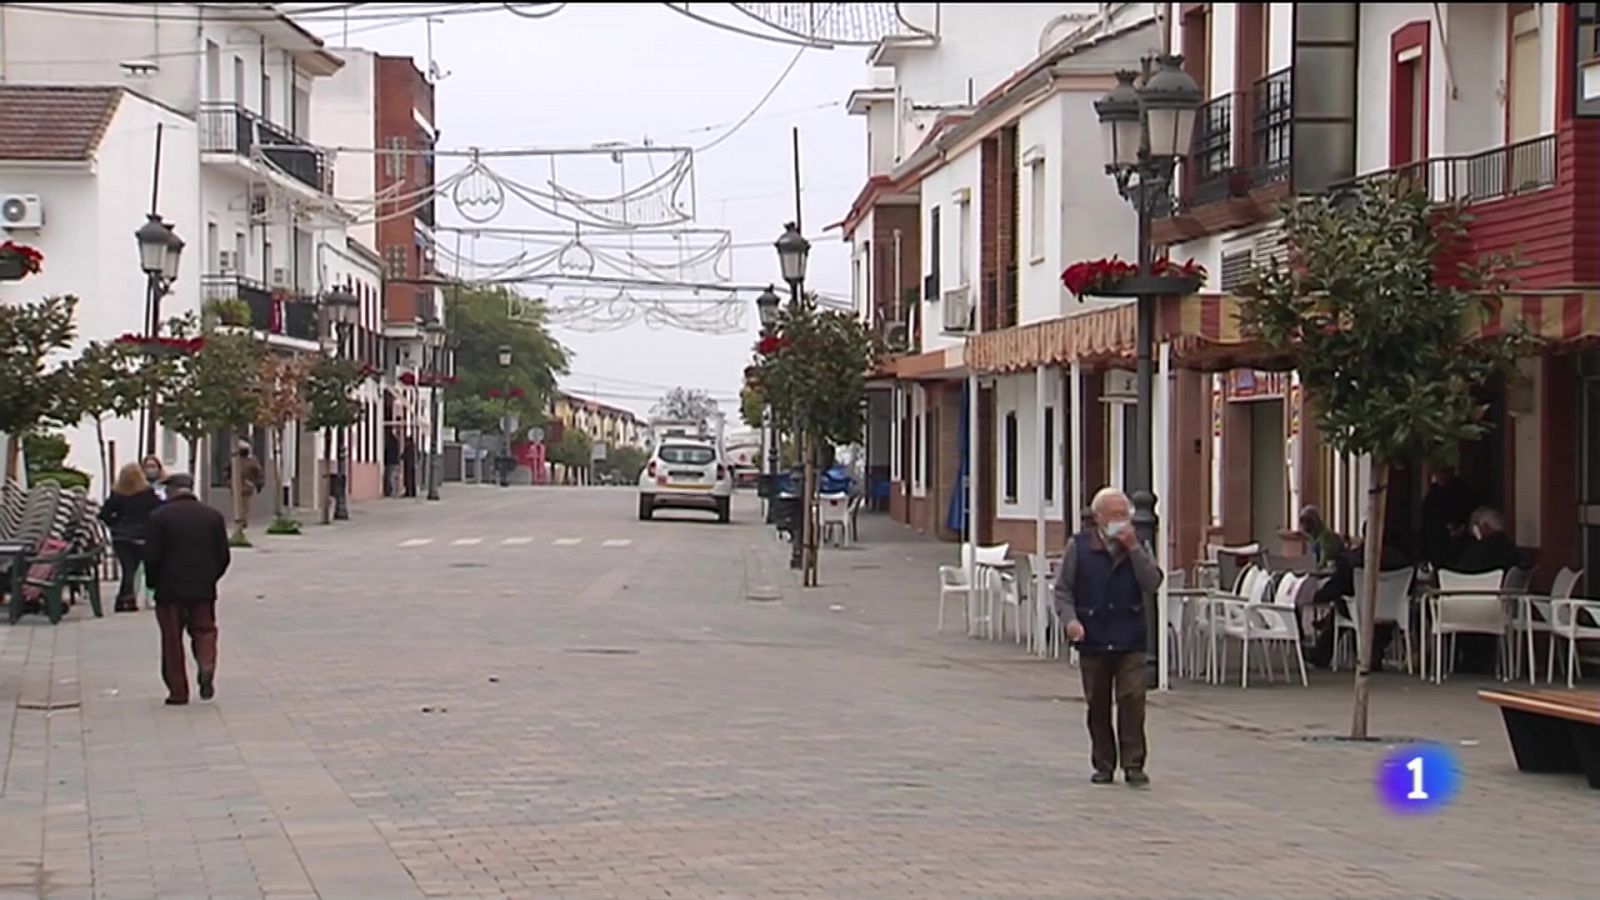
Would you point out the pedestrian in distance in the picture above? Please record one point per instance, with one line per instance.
(252, 480)
(1104, 589)
(126, 513)
(186, 554)
(156, 474)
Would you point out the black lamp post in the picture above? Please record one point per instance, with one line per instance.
(434, 335)
(1148, 127)
(160, 250)
(767, 308)
(341, 309)
(505, 419)
(793, 251)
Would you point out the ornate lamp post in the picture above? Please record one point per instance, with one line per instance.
(767, 308)
(160, 250)
(434, 335)
(793, 252)
(1147, 128)
(506, 426)
(341, 309)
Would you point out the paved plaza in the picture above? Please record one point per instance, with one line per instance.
(528, 693)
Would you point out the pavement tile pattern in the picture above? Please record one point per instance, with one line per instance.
(528, 693)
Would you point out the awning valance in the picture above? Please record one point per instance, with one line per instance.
(1206, 334)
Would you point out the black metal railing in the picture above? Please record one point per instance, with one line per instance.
(271, 312)
(1211, 157)
(1507, 171)
(1271, 127)
(230, 128)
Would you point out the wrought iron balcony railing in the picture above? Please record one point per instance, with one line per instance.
(271, 312)
(1271, 127)
(230, 128)
(1494, 174)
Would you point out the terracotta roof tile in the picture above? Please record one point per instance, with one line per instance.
(55, 122)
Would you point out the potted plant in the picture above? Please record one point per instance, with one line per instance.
(230, 311)
(1116, 277)
(18, 261)
(159, 346)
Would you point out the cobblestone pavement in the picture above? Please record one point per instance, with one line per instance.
(528, 693)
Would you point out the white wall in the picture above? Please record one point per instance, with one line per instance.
(90, 252)
(1015, 394)
(343, 114)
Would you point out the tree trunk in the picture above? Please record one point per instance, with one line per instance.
(1371, 561)
(808, 561)
(236, 485)
(194, 458)
(329, 466)
(275, 449)
(105, 460)
(13, 457)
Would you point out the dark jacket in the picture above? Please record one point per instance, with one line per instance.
(128, 515)
(1497, 551)
(1108, 592)
(186, 551)
(1343, 582)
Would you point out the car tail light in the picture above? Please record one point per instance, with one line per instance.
(652, 470)
(721, 473)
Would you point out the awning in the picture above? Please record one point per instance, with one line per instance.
(1206, 334)
(933, 365)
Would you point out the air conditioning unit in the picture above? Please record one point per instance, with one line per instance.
(21, 211)
(896, 336)
(225, 261)
(958, 310)
(280, 276)
(1119, 387)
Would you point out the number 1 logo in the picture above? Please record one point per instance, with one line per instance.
(1417, 779)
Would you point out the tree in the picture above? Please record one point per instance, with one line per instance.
(812, 369)
(480, 322)
(572, 450)
(1372, 307)
(217, 390)
(626, 463)
(113, 379)
(331, 404)
(752, 408)
(31, 381)
(281, 383)
(686, 405)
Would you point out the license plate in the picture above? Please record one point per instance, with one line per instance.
(685, 476)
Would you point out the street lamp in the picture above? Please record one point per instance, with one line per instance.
(160, 251)
(434, 335)
(1147, 129)
(767, 309)
(506, 427)
(793, 251)
(341, 309)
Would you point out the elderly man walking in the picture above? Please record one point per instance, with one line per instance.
(185, 555)
(1104, 589)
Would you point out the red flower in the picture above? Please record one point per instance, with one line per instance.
(494, 393)
(409, 379)
(1098, 274)
(517, 393)
(770, 345)
(32, 259)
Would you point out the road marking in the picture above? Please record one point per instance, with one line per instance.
(465, 542)
(517, 541)
(567, 542)
(618, 542)
(416, 542)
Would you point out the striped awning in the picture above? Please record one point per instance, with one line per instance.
(1206, 334)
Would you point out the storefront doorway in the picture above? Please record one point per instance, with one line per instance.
(1589, 471)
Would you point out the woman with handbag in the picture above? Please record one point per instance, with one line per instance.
(127, 513)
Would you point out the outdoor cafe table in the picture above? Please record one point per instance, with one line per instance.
(986, 577)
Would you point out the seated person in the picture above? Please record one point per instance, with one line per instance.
(1341, 586)
(1490, 547)
(1325, 543)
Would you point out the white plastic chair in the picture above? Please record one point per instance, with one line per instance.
(1539, 618)
(952, 581)
(1575, 620)
(1467, 604)
(1223, 611)
(980, 564)
(1016, 592)
(1394, 607)
(835, 517)
(1267, 615)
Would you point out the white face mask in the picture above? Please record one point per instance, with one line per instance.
(1116, 527)
(1477, 533)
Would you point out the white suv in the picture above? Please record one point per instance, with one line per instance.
(685, 474)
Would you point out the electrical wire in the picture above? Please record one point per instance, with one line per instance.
(745, 32)
(782, 77)
(332, 13)
(512, 8)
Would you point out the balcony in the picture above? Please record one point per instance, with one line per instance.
(1239, 167)
(1494, 174)
(271, 312)
(229, 128)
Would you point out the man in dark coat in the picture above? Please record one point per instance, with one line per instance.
(1104, 589)
(186, 554)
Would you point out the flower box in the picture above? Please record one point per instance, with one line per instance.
(1146, 286)
(1115, 277)
(17, 261)
(165, 347)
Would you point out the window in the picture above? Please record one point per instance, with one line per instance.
(394, 259)
(213, 250)
(266, 97)
(687, 455)
(1049, 454)
(1586, 81)
(1011, 457)
(239, 91)
(916, 451)
(213, 71)
(964, 242)
(394, 157)
(238, 251)
(935, 256)
(1036, 210)
(266, 260)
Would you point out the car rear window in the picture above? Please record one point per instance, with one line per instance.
(687, 456)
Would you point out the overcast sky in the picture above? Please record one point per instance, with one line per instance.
(622, 72)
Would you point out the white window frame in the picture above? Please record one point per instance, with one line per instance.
(1038, 205)
(963, 202)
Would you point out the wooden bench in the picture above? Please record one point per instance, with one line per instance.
(1552, 731)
